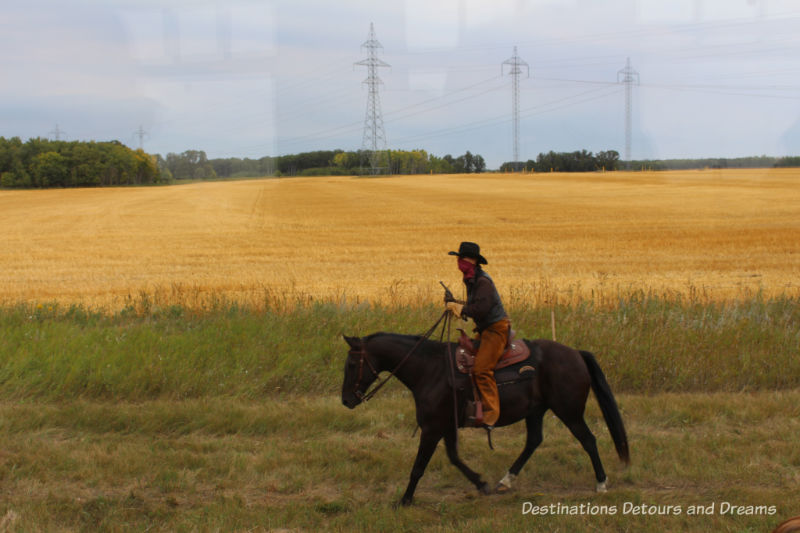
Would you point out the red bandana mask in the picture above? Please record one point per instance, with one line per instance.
(467, 268)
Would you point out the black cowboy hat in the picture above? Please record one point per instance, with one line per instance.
(470, 249)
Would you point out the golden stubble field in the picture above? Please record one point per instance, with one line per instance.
(718, 234)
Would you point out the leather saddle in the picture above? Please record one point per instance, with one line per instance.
(516, 351)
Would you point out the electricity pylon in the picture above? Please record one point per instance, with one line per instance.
(515, 63)
(628, 76)
(374, 136)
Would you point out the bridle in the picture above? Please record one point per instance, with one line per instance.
(363, 358)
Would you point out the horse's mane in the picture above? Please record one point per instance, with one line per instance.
(427, 348)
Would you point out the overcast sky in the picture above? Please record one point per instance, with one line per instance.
(247, 78)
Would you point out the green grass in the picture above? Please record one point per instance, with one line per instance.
(644, 344)
(228, 419)
(228, 464)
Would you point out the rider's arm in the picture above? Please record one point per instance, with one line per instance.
(482, 301)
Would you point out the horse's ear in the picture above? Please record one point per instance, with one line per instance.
(354, 342)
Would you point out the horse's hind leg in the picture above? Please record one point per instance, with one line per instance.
(450, 438)
(533, 423)
(589, 443)
(427, 445)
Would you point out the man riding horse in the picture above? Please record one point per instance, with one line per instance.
(554, 377)
(492, 325)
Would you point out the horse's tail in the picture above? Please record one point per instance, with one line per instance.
(608, 405)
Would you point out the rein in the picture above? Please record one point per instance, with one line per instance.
(365, 397)
(362, 353)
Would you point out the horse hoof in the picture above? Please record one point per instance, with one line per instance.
(404, 502)
(484, 489)
(601, 487)
(504, 485)
(501, 489)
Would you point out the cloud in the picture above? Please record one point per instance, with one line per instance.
(201, 34)
(251, 77)
(432, 24)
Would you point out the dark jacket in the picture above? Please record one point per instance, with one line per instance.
(483, 302)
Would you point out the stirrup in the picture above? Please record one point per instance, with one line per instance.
(474, 414)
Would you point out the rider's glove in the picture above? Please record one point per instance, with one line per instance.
(455, 308)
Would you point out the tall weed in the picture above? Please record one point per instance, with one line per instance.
(645, 343)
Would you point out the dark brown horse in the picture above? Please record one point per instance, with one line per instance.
(560, 381)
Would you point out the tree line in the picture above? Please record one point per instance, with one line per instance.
(716, 162)
(341, 163)
(195, 165)
(578, 161)
(40, 163)
(583, 161)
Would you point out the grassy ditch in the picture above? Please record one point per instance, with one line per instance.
(645, 344)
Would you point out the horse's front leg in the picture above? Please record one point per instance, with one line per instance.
(450, 441)
(427, 445)
(534, 425)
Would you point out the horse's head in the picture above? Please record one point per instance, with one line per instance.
(359, 372)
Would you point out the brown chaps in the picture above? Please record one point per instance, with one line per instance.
(493, 343)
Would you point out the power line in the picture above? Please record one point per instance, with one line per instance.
(402, 113)
(418, 108)
(451, 93)
(440, 106)
(741, 90)
(728, 90)
(545, 107)
(540, 109)
(444, 101)
(702, 27)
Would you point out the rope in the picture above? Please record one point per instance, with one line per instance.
(451, 364)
